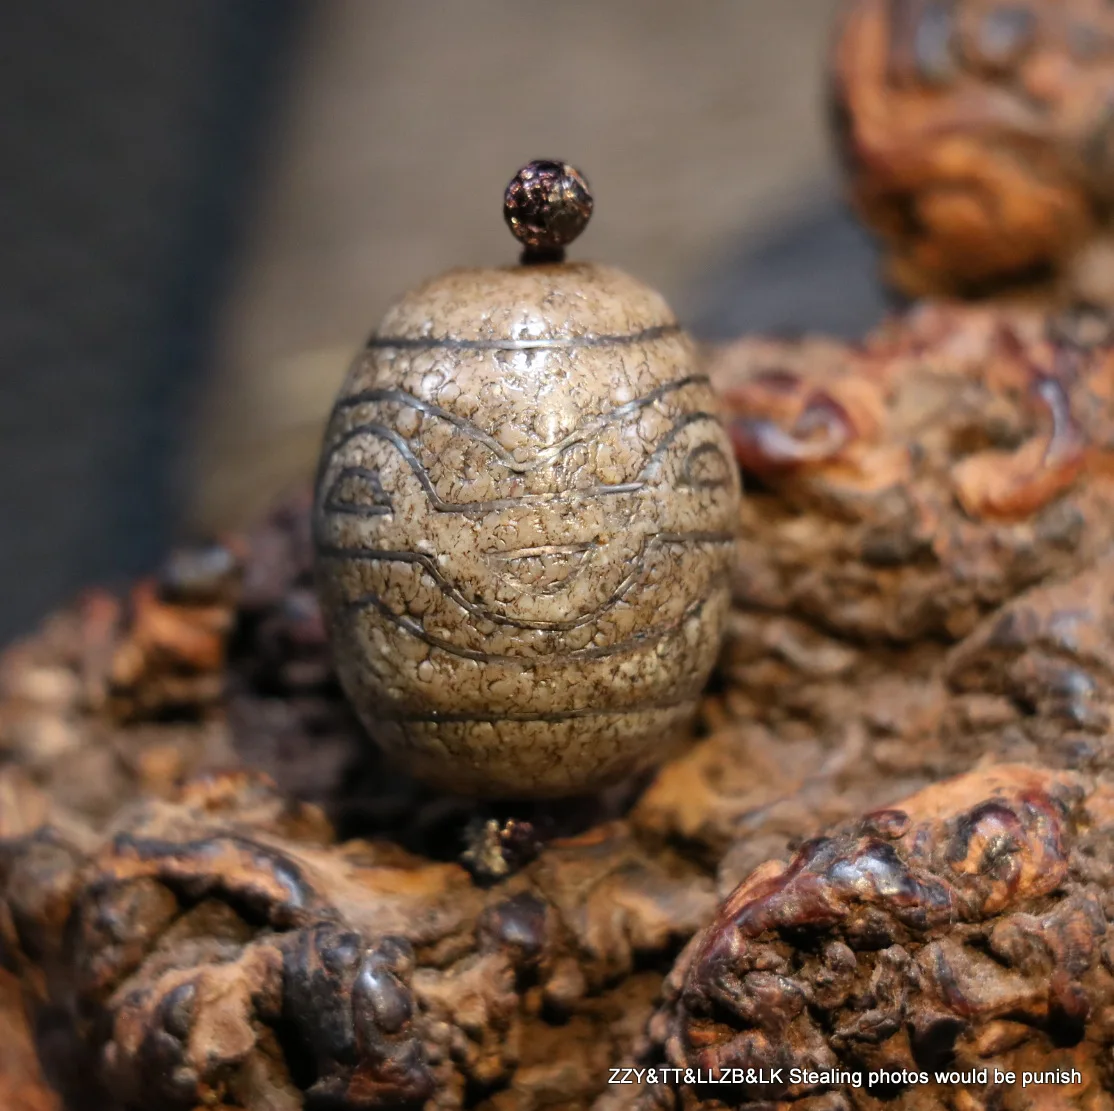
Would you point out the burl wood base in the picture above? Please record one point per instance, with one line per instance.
(923, 592)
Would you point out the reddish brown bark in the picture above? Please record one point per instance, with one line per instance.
(961, 929)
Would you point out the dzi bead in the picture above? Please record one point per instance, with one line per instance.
(525, 516)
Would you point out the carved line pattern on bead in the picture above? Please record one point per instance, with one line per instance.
(639, 639)
(441, 506)
(414, 628)
(422, 474)
(695, 457)
(379, 506)
(450, 591)
(574, 554)
(697, 471)
(658, 331)
(546, 455)
(441, 717)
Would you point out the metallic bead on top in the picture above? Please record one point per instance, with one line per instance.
(547, 205)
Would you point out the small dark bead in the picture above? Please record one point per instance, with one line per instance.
(547, 205)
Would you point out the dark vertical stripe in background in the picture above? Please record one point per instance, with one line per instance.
(130, 143)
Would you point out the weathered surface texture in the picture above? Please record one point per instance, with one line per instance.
(962, 929)
(218, 948)
(923, 590)
(976, 140)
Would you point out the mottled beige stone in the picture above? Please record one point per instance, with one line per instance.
(525, 517)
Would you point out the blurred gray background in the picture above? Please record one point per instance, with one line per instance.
(207, 206)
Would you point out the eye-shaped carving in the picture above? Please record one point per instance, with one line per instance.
(705, 467)
(544, 570)
(358, 491)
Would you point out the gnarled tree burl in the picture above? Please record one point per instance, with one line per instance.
(923, 591)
